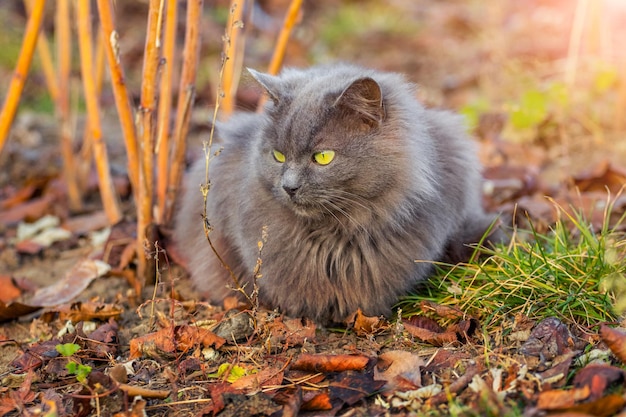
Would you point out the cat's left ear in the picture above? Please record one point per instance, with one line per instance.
(268, 82)
(364, 97)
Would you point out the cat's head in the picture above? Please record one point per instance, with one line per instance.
(330, 146)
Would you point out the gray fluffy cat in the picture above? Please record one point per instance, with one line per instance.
(355, 181)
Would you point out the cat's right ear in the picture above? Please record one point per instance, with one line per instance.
(268, 82)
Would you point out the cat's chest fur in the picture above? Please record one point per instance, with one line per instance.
(358, 187)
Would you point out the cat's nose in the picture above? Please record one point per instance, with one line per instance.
(291, 191)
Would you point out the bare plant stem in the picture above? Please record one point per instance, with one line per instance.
(204, 188)
(146, 112)
(21, 70)
(63, 36)
(232, 66)
(120, 92)
(45, 56)
(165, 107)
(108, 194)
(281, 44)
(186, 96)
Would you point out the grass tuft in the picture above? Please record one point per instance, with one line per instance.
(572, 272)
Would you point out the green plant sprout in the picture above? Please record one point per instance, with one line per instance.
(73, 367)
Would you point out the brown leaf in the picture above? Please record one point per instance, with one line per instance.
(268, 376)
(447, 312)
(168, 340)
(71, 285)
(330, 363)
(601, 177)
(602, 407)
(33, 209)
(90, 310)
(365, 325)
(428, 336)
(292, 332)
(550, 338)
(86, 222)
(15, 310)
(562, 399)
(10, 291)
(615, 340)
(399, 367)
(425, 323)
(320, 402)
(598, 378)
(351, 387)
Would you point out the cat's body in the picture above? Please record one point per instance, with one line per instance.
(402, 185)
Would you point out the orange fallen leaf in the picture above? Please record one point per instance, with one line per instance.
(269, 376)
(330, 363)
(168, 340)
(10, 291)
(429, 336)
(365, 325)
(320, 402)
(615, 340)
(562, 399)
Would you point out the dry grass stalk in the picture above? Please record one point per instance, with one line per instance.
(146, 113)
(120, 92)
(291, 18)
(21, 71)
(233, 65)
(108, 194)
(186, 96)
(45, 56)
(165, 106)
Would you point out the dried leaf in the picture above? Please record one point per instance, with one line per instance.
(399, 368)
(15, 310)
(365, 325)
(168, 340)
(72, 284)
(10, 291)
(615, 340)
(320, 402)
(429, 336)
(598, 378)
(550, 338)
(447, 312)
(562, 399)
(330, 363)
(351, 386)
(268, 376)
(291, 332)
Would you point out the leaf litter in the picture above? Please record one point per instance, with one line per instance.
(184, 356)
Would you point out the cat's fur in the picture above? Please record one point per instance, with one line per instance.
(404, 187)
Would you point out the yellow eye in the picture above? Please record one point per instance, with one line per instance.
(278, 156)
(324, 157)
